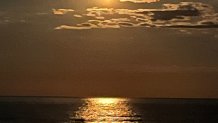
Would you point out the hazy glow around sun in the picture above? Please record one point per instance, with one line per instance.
(106, 2)
(140, 1)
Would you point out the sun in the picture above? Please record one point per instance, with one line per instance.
(107, 2)
(140, 1)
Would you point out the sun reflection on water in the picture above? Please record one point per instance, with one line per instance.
(107, 101)
(102, 110)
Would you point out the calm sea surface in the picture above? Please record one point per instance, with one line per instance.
(106, 110)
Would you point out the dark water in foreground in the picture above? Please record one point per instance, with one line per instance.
(116, 110)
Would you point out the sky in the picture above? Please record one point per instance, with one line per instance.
(127, 48)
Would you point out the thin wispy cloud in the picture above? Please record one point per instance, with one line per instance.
(61, 11)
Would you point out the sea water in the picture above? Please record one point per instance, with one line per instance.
(106, 110)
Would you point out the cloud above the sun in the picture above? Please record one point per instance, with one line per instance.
(177, 15)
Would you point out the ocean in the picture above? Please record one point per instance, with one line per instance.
(107, 110)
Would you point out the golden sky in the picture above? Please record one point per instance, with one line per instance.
(127, 49)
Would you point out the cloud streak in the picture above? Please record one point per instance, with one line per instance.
(61, 11)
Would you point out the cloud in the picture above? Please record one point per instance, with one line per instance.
(77, 16)
(180, 15)
(91, 24)
(62, 11)
(83, 26)
(41, 13)
(172, 68)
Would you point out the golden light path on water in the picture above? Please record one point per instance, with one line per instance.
(106, 110)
